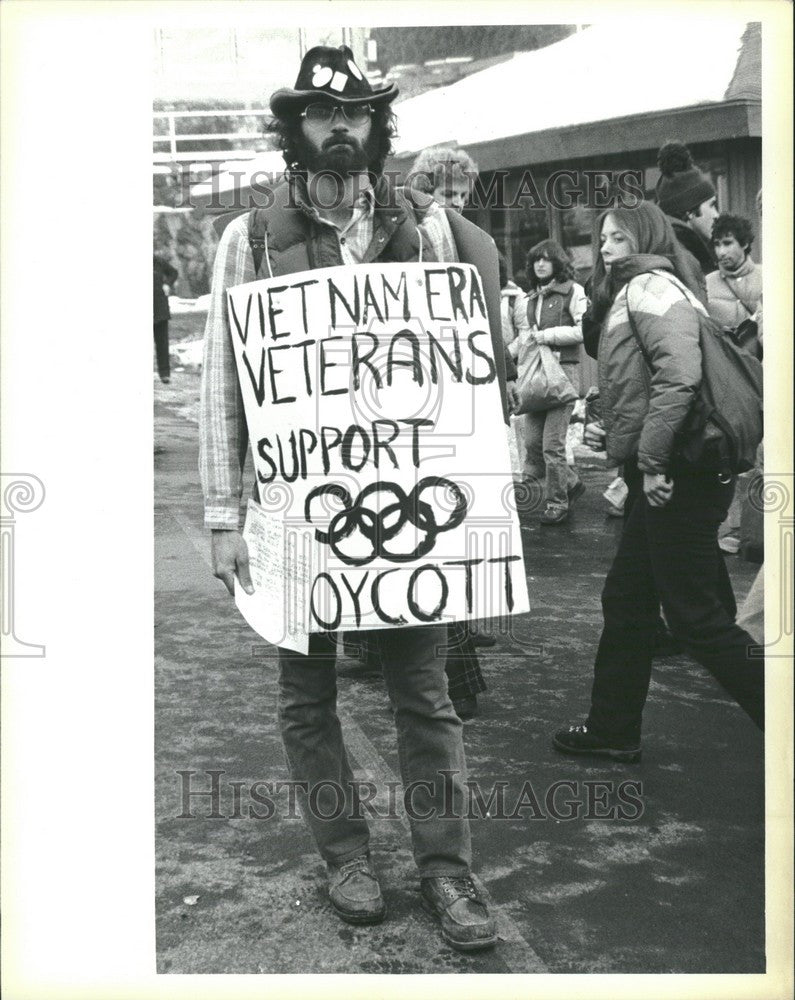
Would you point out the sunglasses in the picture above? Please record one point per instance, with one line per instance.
(354, 114)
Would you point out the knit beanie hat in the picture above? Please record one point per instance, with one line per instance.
(681, 187)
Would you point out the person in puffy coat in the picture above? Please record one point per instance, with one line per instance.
(734, 290)
(734, 295)
(668, 551)
(551, 313)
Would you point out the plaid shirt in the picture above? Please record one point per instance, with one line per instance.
(355, 236)
(223, 435)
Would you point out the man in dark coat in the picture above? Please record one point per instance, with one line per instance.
(688, 197)
(162, 274)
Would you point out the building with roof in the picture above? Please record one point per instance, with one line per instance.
(597, 101)
(603, 99)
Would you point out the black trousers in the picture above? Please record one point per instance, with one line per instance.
(633, 477)
(670, 556)
(161, 349)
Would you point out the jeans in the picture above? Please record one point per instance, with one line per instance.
(670, 556)
(461, 663)
(429, 739)
(545, 453)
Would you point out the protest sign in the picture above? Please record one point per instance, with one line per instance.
(276, 612)
(374, 414)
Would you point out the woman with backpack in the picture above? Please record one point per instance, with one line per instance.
(650, 369)
(551, 313)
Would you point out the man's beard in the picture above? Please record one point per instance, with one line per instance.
(340, 155)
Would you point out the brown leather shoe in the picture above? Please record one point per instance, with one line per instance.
(466, 924)
(355, 893)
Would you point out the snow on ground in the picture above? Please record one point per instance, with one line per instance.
(179, 306)
(187, 355)
(181, 395)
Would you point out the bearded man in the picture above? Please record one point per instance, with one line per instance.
(336, 208)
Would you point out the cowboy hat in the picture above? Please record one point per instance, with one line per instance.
(329, 73)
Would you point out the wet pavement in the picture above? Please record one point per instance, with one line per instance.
(671, 881)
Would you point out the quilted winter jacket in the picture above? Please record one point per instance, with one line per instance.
(641, 409)
(730, 308)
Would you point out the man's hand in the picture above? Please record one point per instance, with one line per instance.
(230, 560)
(513, 397)
(658, 488)
(594, 437)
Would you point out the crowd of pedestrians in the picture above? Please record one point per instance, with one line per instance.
(682, 258)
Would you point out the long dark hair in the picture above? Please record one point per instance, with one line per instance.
(562, 268)
(290, 140)
(653, 235)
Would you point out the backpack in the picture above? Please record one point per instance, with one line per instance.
(257, 236)
(725, 424)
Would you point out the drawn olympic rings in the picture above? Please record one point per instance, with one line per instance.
(379, 527)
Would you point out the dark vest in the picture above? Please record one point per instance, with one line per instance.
(554, 312)
(296, 241)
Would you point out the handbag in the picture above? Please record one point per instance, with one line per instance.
(542, 383)
(746, 336)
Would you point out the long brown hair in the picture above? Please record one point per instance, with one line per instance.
(654, 236)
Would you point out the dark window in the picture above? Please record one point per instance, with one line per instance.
(577, 229)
